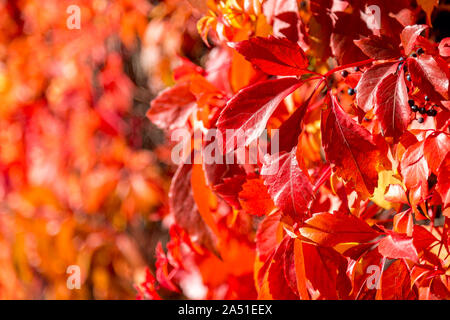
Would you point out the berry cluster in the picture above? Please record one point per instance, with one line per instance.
(431, 112)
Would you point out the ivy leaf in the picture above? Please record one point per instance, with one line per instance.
(286, 21)
(379, 47)
(430, 76)
(289, 187)
(326, 270)
(328, 229)
(172, 107)
(250, 109)
(266, 235)
(274, 284)
(398, 246)
(368, 84)
(443, 183)
(254, 198)
(183, 206)
(351, 149)
(409, 36)
(414, 167)
(435, 148)
(392, 107)
(396, 282)
(274, 56)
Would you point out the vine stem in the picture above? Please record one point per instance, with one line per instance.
(356, 64)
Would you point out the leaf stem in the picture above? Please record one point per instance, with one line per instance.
(356, 64)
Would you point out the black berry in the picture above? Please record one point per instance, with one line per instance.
(420, 51)
(422, 110)
(408, 77)
(411, 102)
(421, 120)
(344, 73)
(401, 59)
(357, 69)
(427, 98)
(432, 113)
(351, 91)
(414, 108)
(414, 55)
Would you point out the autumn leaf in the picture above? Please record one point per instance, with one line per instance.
(249, 110)
(414, 167)
(392, 107)
(379, 47)
(171, 109)
(435, 149)
(443, 183)
(398, 246)
(274, 56)
(254, 198)
(409, 36)
(369, 82)
(351, 149)
(328, 229)
(274, 284)
(395, 282)
(288, 185)
(430, 76)
(326, 270)
(183, 206)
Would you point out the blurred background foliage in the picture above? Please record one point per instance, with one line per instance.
(84, 175)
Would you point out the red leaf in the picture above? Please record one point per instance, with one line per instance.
(342, 37)
(367, 86)
(254, 198)
(328, 229)
(291, 129)
(285, 18)
(396, 282)
(398, 246)
(266, 236)
(274, 281)
(380, 48)
(185, 210)
(396, 193)
(326, 270)
(351, 149)
(392, 107)
(414, 167)
(431, 77)
(443, 183)
(435, 148)
(172, 107)
(409, 36)
(274, 56)
(250, 109)
(422, 238)
(288, 185)
(162, 269)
